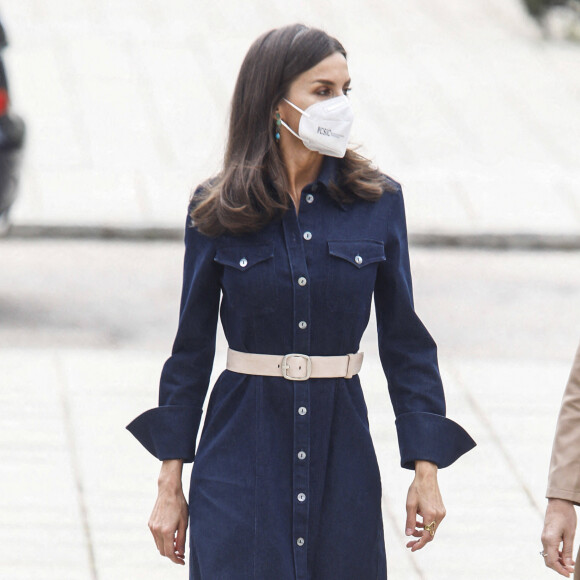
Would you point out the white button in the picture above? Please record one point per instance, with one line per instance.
(302, 410)
(302, 324)
(301, 497)
(301, 455)
(243, 262)
(300, 541)
(307, 236)
(358, 259)
(309, 198)
(302, 281)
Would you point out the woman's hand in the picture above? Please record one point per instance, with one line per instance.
(169, 516)
(423, 499)
(559, 527)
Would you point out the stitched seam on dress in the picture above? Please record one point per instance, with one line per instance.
(378, 564)
(256, 460)
(380, 550)
(325, 483)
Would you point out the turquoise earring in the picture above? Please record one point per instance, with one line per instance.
(277, 129)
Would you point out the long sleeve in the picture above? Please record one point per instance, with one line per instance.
(169, 431)
(409, 358)
(564, 476)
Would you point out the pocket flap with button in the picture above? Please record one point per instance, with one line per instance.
(244, 257)
(359, 253)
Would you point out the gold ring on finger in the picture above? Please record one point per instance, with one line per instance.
(431, 528)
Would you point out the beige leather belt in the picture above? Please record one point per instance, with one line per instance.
(294, 366)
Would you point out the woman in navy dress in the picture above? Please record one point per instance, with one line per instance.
(295, 235)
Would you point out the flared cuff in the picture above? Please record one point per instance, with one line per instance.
(168, 432)
(431, 437)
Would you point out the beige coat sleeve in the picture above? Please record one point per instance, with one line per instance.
(564, 477)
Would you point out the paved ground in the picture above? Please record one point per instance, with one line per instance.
(126, 104)
(80, 356)
(460, 100)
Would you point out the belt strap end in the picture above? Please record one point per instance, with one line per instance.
(354, 364)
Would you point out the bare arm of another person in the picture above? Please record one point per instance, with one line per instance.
(168, 521)
(559, 528)
(564, 480)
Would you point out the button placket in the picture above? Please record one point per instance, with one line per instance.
(296, 248)
(301, 476)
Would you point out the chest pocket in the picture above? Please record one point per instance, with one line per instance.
(351, 274)
(249, 278)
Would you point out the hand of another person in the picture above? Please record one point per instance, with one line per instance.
(168, 521)
(423, 499)
(559, 528)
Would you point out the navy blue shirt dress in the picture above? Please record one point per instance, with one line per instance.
(285, 483)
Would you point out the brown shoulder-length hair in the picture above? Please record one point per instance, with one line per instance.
(252, 189)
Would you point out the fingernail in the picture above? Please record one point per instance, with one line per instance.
(408, 531)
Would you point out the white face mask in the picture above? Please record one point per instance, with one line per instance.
(325, 126)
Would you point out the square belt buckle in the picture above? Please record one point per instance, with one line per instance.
(286, 366)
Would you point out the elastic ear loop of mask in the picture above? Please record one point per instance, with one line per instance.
(287, 126)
